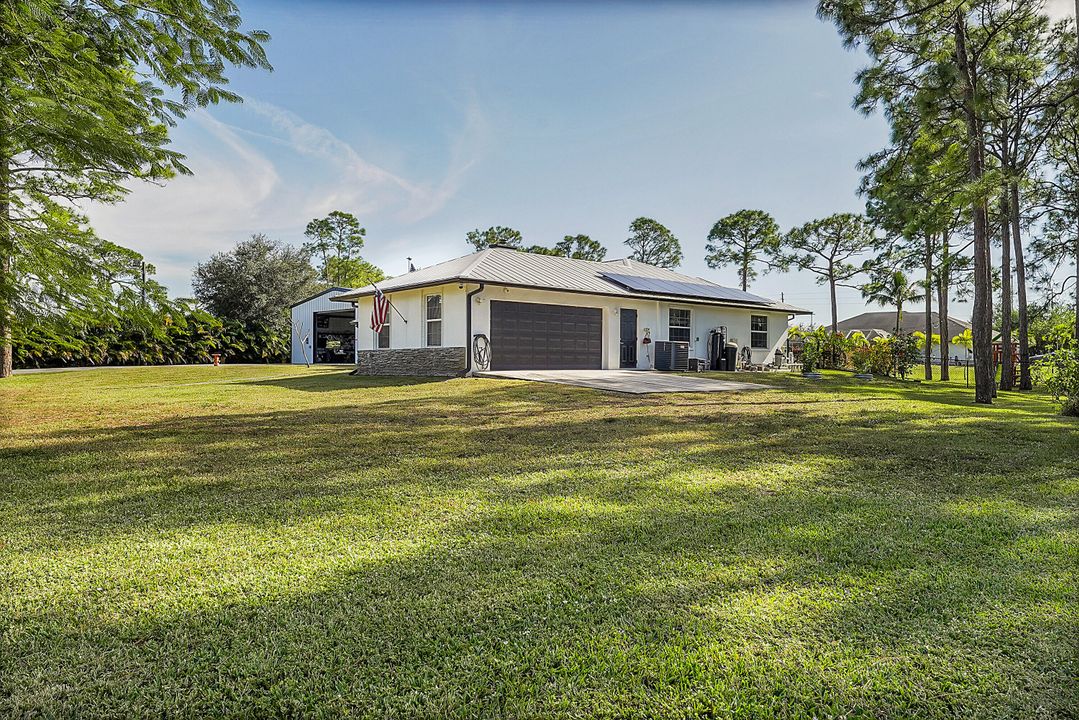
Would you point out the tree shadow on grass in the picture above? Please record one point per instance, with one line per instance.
(336, 382)
(515, 549)
(833, 383)
(803, 604)
(506, 443)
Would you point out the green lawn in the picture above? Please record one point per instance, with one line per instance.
(279, 541)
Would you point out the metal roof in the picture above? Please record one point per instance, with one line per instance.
(320, 293)
(516, 268)
(884, 323)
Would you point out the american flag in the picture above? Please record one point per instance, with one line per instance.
(380, 312)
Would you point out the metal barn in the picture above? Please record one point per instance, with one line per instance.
(324, 331)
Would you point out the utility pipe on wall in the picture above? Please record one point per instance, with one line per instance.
(468, 327)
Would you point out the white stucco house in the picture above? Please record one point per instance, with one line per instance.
(536, 311)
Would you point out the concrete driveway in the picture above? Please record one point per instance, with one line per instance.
(637, 382)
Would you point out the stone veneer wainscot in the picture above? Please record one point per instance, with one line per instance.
(435, 361)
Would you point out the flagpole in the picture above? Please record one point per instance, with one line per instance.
(388, 302)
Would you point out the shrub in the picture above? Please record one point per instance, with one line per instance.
(893, 356)
(880, 356)
(861, 357)
(810, 357)
(834, 349)
(904, 349)
(822, 349)
(177, 335)
(1059, 372)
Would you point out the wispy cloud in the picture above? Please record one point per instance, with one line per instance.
(364, 186)
(192, 217)
(258, 176)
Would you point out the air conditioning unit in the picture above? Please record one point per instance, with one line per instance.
(672, 355)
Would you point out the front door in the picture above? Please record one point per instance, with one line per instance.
(627, 356)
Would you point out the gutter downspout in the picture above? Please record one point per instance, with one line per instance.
(355, 334)
(468, 327)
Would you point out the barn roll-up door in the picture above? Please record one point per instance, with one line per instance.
(533, 336)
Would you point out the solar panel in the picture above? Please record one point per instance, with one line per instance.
(659, 286)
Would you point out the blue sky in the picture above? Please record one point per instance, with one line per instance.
(429, 119)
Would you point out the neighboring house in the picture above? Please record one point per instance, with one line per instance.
(545, 312)
(323, 330)
(882, 324)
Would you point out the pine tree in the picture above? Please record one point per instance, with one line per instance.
(912, 197)
(336, 240)
(744, 239)
(653, 243)
(497, 235)
(828, 248)
(1058, 246)
(941, 51)
(1026, 94)
(581, 247)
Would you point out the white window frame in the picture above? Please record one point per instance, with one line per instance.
(753, 333)
(389, 337)
(688, 327)
(428, 320)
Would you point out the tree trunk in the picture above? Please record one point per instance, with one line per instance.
(942, 308)
(982, 320)
(928, 307)
(1025, 382)
(835, 315)
(745, 273)
(5, 319)
(7, 254)
(942, 328)
(1007, 369)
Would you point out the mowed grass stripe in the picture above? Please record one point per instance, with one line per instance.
(282, 541)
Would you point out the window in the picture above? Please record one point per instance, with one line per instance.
(758, 331)
(678, 327)
(384, 335)
(434, 321)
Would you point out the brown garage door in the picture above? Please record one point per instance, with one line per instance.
(531, 336)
